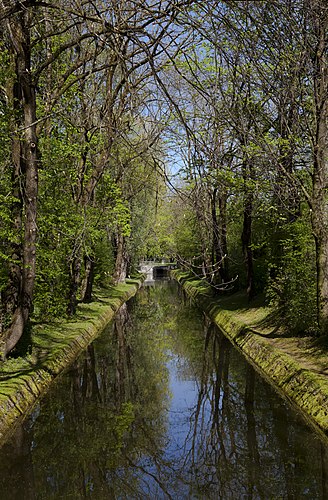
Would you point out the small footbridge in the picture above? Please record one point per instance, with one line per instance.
(154, 269)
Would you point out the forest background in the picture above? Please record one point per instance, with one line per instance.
(187, 130)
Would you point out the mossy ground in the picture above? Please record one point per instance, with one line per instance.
(296, 366)
(54, 346)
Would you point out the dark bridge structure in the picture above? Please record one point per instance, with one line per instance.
(154, 270)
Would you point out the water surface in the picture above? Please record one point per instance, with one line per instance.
(161, 406)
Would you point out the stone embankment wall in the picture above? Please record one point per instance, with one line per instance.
(306, 388)
(55, 346)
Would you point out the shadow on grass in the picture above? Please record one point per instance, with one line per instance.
(239, 300)
(319, 348)
(271, 326)
(38, 364)
(43, 344)
(43, 347)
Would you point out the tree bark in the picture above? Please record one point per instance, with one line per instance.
(26, 166)
(75, 279)
(219, 233)
(89, 266)
(246, 236)
(121, 262)
(223, 232)
(318, 11)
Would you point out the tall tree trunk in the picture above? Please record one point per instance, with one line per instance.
(87, 185)
(75, 280)
(26, 166)
(223, 229)
(319, 17)
(218, 255)
(246, 236)
(285, 191)
(288, 79)
(219, 224)
(121, 262)
(89, 267)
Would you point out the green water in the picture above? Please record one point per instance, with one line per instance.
(161, 406)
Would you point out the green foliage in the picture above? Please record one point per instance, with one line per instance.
(65, 229)
(57, 224)
(105, 262)
(291, 285)
(186, 235)
(153, 228)
(8, 235)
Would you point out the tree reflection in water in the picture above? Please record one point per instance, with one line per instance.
(161, 406)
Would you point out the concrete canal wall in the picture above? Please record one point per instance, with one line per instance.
(54, 347)
(286, 366)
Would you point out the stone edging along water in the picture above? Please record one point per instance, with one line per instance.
(304, 388)
(55, 346)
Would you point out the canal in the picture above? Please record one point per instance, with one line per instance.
(161, 406)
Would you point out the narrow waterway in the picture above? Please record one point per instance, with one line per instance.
(161, 406)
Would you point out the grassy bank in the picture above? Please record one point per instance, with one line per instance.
(295, 366)
(54, 347)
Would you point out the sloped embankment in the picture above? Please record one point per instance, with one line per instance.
(292, 365)
(55, 346)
